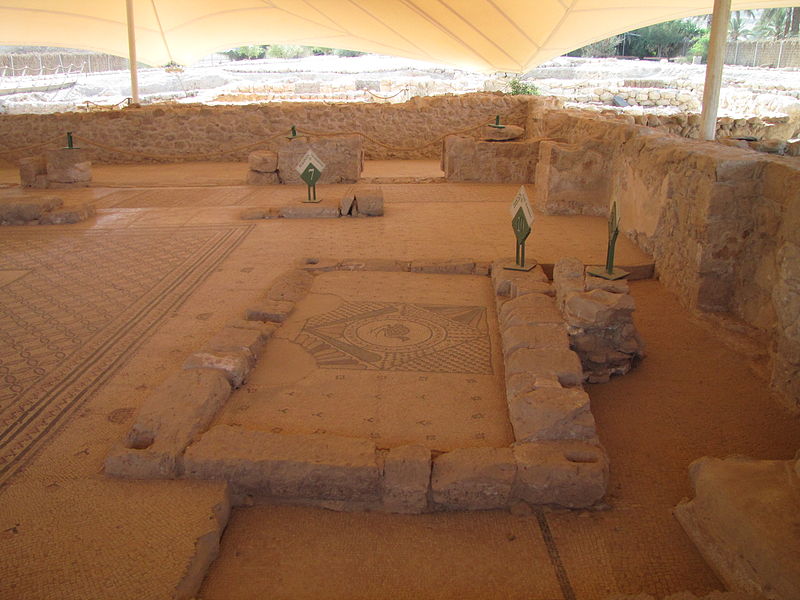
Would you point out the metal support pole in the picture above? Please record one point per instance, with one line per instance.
(716, 58)
(132, 52)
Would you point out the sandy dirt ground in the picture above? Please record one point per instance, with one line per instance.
(96, 315)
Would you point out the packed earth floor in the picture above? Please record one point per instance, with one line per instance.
(118, 302)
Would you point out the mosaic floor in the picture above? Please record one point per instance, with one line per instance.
(351, 362)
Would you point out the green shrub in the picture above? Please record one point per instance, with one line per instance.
(279, 51)
(347, 53)
(246, 52)
(517, 87)
(700, 47)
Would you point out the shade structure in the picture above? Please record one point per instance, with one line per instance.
(481, 35)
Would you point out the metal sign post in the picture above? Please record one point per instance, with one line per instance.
(522, 223)
(310, 168)
(613, 232)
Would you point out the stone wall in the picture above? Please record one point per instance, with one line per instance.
(720, 222)
(176, 133)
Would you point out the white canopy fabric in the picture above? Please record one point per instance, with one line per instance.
(481, 35)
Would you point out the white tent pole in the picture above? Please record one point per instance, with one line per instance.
(132, 52)
(716, 58)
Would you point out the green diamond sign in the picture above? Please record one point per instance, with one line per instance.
(310, 174)
(310, 168)
(521, 222)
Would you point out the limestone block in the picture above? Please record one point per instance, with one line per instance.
(793, 148)
(373, 264)
(502, 279)
(291, 286)
(346, 204)
(562, 364)
(234, 365)
(598, 308)
(309, 211)
(18, 212)
(286, 465)
(147, 463)
(571, 180)
(473, 478)
(744, 520)
(406, 479)
(266, 329)
(465, 159)
(68, 166)
(523, 287)
(449, 267)
(274, 311)
(522, 383)
(551, 413)
(33, 172)
(568, 473)
(67, 216)
(263, 161)
(369, 202)
(261, 178)
(537, 335)
(343, 156)
(528, 309)
(568, 267)
(616, 286)
(237, 339)
(508, 132)
(178, 409)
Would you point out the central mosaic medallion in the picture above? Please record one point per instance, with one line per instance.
(400, 337)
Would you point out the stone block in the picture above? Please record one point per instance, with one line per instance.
(793, 148)
(522, 383)
(290, 286)
(373, 264)
(529, 309)
(617, 286)
(568, 473)
(147, 463)
(406, 479)
(254, 214)
(504, 279)
(473, 478)
(508, 132)
(263, 161)
(260, 178)
(447, 267)
(347, 203)
(295, 466)
(68, 216)
(178, 410)
(598, 308)
(234, 365)
(18, 212)
(309, 211)
(561, 364)
(524, 287)
(68, 166)
(33, 172)
(343, 156)
(273, 311)
(266, 329)
(369, 202)
(744, 520)
(237, 339)
(538, 335)
(568, 268)
(571, 179)
(467, 159)
(551, 413)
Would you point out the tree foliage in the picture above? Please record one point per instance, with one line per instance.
(663, 40)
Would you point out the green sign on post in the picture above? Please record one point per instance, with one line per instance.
(521, 222)
(310, 168)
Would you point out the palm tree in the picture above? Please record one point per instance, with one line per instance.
(778, 23)
(737, 28)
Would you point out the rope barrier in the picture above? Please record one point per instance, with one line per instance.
(201, 155)
(39, 145)
(386, 97)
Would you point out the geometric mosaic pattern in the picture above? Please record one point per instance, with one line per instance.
(75, 305)
(390, 336)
